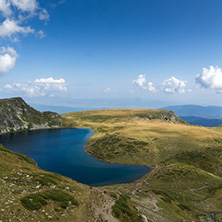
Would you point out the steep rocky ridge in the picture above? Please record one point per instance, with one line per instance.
(16, 114)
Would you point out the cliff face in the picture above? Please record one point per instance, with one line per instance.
(16, 114)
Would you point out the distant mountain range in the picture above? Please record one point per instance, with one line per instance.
(210, 116)
(209, 112)
(194, 120)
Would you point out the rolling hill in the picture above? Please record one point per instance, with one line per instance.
(186, 178)
(185, 183)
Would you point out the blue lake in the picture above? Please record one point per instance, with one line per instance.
(62, 151)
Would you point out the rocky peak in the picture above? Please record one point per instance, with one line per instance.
(16, 114)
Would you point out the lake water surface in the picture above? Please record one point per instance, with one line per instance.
(62, 151)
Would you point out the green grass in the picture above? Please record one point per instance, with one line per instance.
(33, 201)
(123, 211)
(186, 160)
(114, 145)
(46, 179)
(38, 200)
(113, 195)
(20, 156)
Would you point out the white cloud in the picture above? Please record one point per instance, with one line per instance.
(54, 5)
(140, 81)
(43, 14)
(40, 87)
(151, 87)
(109, 90)
(10, 27)
(51, 80)
(28, 89)
(40, 34)
(5, 8)
(8, 86)
(174, 85)
(210, 78)
(25, 5)
(8, 58)
(9, 50)
(17, 13)
(51, 84)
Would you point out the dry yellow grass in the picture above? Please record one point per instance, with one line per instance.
(139, 125)
(186, 181)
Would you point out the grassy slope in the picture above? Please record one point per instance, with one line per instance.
(186, 181)
(20, 178)
(31, 194)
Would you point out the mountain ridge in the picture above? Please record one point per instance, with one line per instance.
(200, 121)
(209, 112)
(16, 115)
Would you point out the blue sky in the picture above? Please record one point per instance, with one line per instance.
(155, 51)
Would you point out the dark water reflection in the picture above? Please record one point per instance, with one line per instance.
(62, 151)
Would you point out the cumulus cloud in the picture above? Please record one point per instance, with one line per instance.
(25, 5)
(174, 85)
(5, 8)
(140, 81)
(17, 12)
(51, 84)
(51, 80)
(28, 89)
(8, 58)
(151, 87)
(11, 28)
(39, 87)
(210, 78)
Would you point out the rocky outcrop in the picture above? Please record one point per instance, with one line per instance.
(16, 114)
(165, 115)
